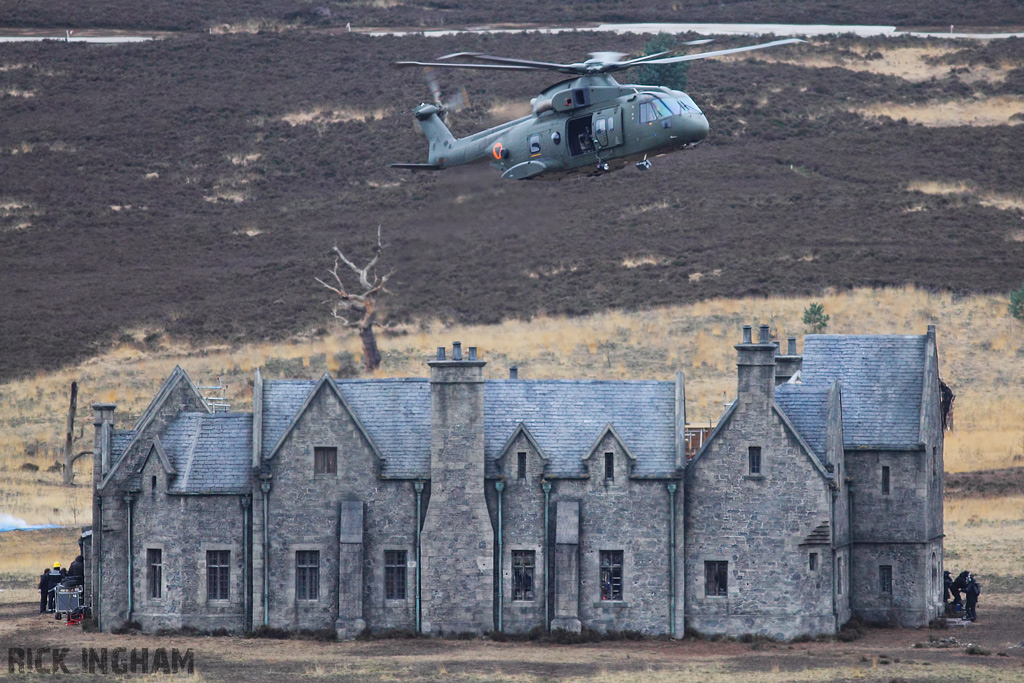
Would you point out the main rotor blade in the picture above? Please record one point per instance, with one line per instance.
(454, 65)
(719, 53)
(509, 60)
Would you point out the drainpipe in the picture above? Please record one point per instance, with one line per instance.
(265, 487)
(419, 515)
(671, 558)
(128, 500)
(547, 557)
(97, 559)
(499, 486)
(245, 562)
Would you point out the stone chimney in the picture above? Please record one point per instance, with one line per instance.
(457, 540)
(788, 364)
(103, 413)
(755, 369)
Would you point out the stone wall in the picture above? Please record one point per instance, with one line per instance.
(305, 512)
(184, 528)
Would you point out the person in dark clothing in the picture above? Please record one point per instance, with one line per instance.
(973, 591)
(958, 585)
(947, 581)
(76, 572)
(53, 579)
(44, 586)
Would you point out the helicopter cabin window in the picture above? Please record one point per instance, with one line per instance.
(599, 126)
(534, 145)
(646, 112)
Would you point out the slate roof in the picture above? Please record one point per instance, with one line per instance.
(119, 440)
(807, 408)
(211, 452)
(882, 378)
(564, 416)
(395, 413)
(567, 416)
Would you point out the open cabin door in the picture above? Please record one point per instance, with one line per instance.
(607, 127)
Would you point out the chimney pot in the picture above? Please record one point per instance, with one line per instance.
(472, 353)
(765, 336)
(440, 353)
(456, 350)
(746, 334)
(513, 372)
(791, 351)
(778, 347)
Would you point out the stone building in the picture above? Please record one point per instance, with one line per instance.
(458, 503)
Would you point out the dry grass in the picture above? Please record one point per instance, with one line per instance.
(648, 260)
(909, 63)
(986, 536)
(1005, 202)
(981, 354)
(988, 111)
(326, 115)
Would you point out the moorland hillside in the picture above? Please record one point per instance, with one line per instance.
(203, 14)
(195, 185)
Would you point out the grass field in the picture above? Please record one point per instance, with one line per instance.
(980, 353)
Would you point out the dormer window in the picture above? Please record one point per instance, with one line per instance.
(609, 466)
(521, 470)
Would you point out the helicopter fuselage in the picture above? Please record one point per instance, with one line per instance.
(589, 124)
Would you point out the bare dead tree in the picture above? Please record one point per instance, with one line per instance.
(358, 309)
(68, 458)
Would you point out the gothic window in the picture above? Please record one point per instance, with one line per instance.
(609, 466)
(523, 563)
(325, 460)
(716, 578)
(307, 574)
(521, 462)
(885, 578)
(394, 574)
(218, 574)
(611, 574)
(885, 480)
(754, 460)
(154, 572)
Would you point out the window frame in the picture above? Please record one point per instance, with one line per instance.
(524, 575)
(812, 562)
(885, 579)
(612, 572)
(218, 575)
(307, 576)
(716, 578)
(521, 466)
(886, 481)
(609, 466)
(754, 461)
(154, 573)
(396, 574)
(325, 460)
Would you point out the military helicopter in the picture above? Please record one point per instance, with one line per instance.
(588, 124)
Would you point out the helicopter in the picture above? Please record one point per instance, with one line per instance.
(588, 124)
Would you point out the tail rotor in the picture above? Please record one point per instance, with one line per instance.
(453, 103)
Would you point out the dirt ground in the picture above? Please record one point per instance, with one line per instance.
(882, 654)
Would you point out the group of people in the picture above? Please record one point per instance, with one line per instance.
(964, 591)
(57, 576)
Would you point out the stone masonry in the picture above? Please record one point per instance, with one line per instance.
(461, 503)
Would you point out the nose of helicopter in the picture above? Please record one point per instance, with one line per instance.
(697, 127)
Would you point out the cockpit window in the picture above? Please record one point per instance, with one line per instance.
(653, 108)
(661, 108)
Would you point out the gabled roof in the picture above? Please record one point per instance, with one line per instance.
(566, 417)
(394, 413)
(119, 440)
(807, 408)
(609, 430)
(521, 429)
(883, 382)
(161, 455)
(211, 452)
